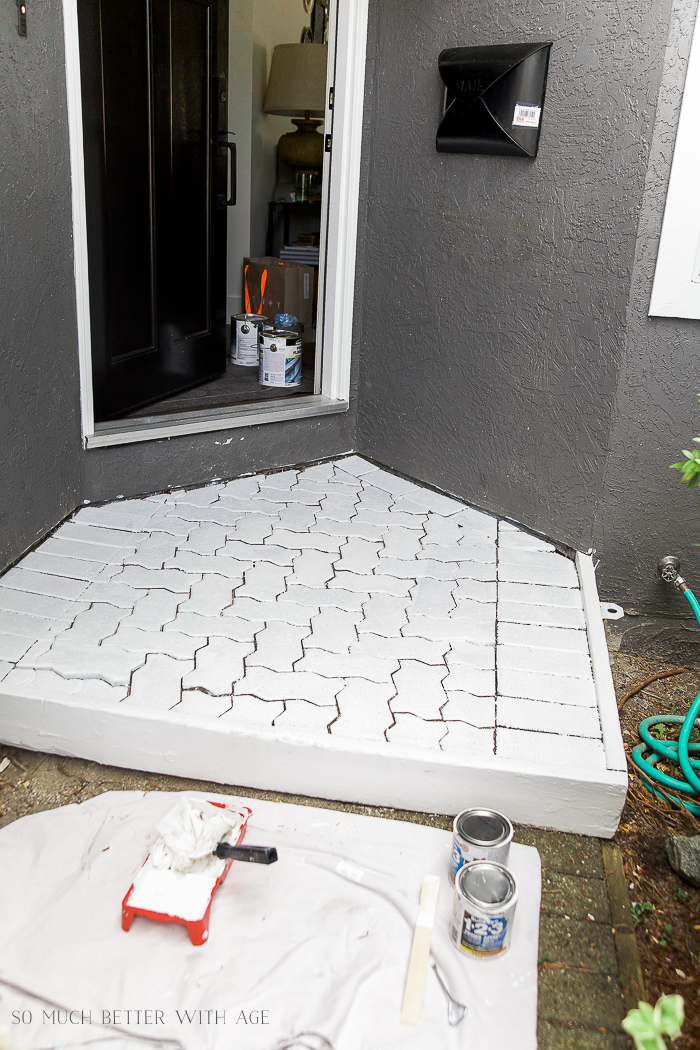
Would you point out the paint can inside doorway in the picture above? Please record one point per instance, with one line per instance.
(280, 358)
(245, 332)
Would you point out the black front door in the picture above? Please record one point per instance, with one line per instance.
(153, 76)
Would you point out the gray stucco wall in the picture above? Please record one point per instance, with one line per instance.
(39, 406)
(499, 359)
(644, 511)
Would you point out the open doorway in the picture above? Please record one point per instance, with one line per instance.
(202, 201)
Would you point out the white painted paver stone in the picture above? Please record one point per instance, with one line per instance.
(218, 664)
(205, 539)
(114, 666)
(384, 614)
(551, 750)
(536, 594)
(419, 690)
(523, 566)
(154, 551)
(365, 713)
(293, 685)
(154, 609)
(358, 555)
(464, 739)
(298, 716)
(477, 711)
(94, 625)
(412, 731)
(313, 568)
(350, 665)
(157, 685)
(264, 582)
(209, 596)
(278, 646)
(252, 711)
(333, 630)
(201, 706)
(43, 583)
(567, 719)
(428, 652)
(338, 602)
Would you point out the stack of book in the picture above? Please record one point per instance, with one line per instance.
(301, 253)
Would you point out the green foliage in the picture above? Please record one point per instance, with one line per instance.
(690, 466)
(638, 908)
(665, 938)
(648, 1025)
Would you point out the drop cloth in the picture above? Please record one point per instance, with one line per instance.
(319, 941)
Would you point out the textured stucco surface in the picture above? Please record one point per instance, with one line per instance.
(39, 404)
(497, 355)
(645, 512)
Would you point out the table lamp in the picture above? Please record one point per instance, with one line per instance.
(297, 88)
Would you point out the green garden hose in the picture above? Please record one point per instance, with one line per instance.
(652, 750)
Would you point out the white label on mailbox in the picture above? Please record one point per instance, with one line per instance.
(526, 116)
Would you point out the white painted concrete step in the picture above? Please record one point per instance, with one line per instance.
(335, 630)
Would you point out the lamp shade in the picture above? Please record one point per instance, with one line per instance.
(297, 83)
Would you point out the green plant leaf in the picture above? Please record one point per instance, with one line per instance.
(647, 1025)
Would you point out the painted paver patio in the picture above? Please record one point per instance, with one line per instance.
(337, 607)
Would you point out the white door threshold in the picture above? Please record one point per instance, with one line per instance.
(335, 631)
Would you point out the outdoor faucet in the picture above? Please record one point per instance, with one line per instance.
(669, 571)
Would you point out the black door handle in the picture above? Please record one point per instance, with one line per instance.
(234, 176)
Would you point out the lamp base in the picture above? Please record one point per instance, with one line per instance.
(302, 150)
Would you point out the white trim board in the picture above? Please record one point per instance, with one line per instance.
(337, 299)
(676, 289)
(600, 662)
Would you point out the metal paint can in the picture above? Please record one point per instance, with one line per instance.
(245, 331)
(280, 358)
(479, 834)
(484, 909)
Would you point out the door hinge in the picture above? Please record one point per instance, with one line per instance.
(331, 97)
(329, 141)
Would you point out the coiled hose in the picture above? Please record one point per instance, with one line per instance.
(652, 750)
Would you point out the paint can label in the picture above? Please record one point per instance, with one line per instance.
(483, 936)
(280, 359)
(245, 334)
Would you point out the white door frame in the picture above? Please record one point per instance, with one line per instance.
(339, 238)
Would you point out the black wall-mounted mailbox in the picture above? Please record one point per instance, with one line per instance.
(493, 99)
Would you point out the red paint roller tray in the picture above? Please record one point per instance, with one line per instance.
(197, 919)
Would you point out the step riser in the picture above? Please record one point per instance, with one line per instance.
(317, 768)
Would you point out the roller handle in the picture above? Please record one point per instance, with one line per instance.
(250, 854)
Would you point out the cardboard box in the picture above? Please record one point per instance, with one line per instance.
(275, 286)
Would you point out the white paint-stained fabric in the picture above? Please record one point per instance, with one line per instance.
(319, 941)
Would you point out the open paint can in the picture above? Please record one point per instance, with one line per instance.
(280, 358)
(245, 331)
(479, 834)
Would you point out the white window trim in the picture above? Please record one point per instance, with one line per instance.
(676, 290)
(336, 299)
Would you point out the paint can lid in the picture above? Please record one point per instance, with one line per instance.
(483, 827)
(486, 884)
(249, 317)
